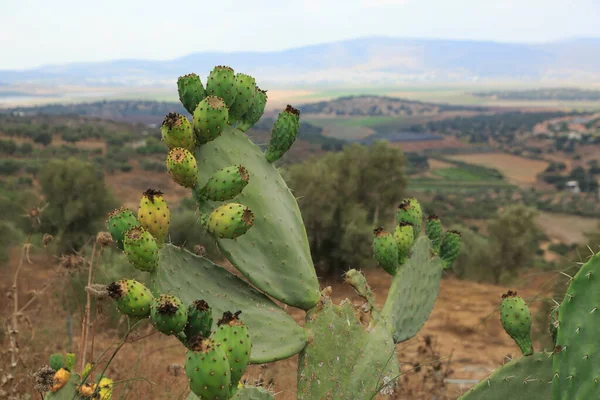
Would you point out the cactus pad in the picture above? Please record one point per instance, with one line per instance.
(255, 112)
(199, 321)
(120, 221)
(385, 250)
(245, 87)
(229, 221)
(226, 183)
(154, 214)
(207, 368)
(450, 248)
(141, 249)
(232, 336)
(67, 392)
(221, 83)
(168, 314)
(182, 167)
(245, 393)
(516, 321)
(132, 297)
(176, 131)
(191, 91)
(283, 134)
(434, 231)
(210, 119)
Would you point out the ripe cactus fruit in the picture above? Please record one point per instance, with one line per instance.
(255, 112)
(450, 247)
(176, 131)
(516, 321)
(385, 250)
(57, 361)
(210, 119)
(199, 320)
(182, 167)
(120, 221)
(132, 297)
(207, 368)
(232, 336)
(405, 239)
(225, 184)
(245, 87)
(283, 134)
(168, 314)
(141, 249)
(229, 221)
(87, 389)
(60, 380)
(221, 83)
(409, 210)
(434, 231)
(191, 91)
(154, 214)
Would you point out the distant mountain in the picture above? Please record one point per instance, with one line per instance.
(366, 61)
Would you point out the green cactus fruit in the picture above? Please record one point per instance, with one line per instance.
(405, 239)
(57, 361)
(207, 369)
(450, 247)
(225, 184)
(255, 112)
(409, 210)
(70, 361)
(182, 167)
(221, 83)
(516, 321)
(232, 336)
(199, 320)
(133, 298)
(210, 119)
(385, 250)
(154, 214)
(191, 91)
(283, 134)
(120, 221)
(168, 314)
(245, 87)
(177, 131)
(141, 249)
(434, 231)
(229, 221)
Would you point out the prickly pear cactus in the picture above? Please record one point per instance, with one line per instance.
(516, 321)
(245, 393)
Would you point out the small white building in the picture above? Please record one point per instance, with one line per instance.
(573, 186)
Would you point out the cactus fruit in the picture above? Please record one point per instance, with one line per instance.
(230, 221)
(225, 184)
(385, 250)
(181, 165)
(255, 112)
(245, 87)
(154, 214)
(87, 389)
(516, 321)
(232, 336)
(450, 247)
(283, 134)
(120, 221)
(434, 231)
(207, 369)
(210, 119)
(405, 239)
(409, 210)
(141, 249)
(176, 131)
(199, 320)
(57, 361)
(191, 91)
(60, 380)
(132, 297)
(168, 314)
(106, 388)
(221, 83)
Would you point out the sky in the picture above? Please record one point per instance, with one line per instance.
(40, 32)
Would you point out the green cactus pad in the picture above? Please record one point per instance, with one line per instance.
(120, 221)
(405, 239)
(576, 361)
(274, 254)
(182, 167)
(67, 392)
(232, 336)
(229, 221)
(245, 87)
(221, 83)
(168, 314)
(413, 291)
(154, 214)
(526, 378)
(57, 361)
(516, 321)
(199, 321)
(245, 393)
(207, 368)
(434, 231)
(226, 183)
(450, 247)
(274, 334)
(385, 250)
(284, 133)
(132, 297)
(191, 91)
(255, 112)
(409, 210)
(344, 358)
(141, 249)
(210, 119)
(176, 131)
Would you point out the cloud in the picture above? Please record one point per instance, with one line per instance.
(385, 3)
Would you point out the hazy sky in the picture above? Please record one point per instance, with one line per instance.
(37, 32)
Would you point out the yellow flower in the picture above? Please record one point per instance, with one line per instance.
(106, 386)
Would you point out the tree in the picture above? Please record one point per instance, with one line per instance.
(43, 138)
(78, 201)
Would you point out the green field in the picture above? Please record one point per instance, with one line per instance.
(462, 174)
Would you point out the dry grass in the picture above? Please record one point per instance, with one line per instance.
(517, 170)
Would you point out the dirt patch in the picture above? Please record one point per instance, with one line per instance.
(517, 170)
(567, 228)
